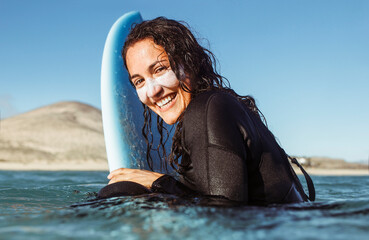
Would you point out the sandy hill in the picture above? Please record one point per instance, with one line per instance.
(68, 133)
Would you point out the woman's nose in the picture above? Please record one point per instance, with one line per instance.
(153, 89)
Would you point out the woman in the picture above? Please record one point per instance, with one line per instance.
(221, 147)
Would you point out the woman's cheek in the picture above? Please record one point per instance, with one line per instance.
(142, 94)
(168, 80)
(153, 86)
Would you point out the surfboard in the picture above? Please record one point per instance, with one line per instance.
(121, 109)
(122, 112)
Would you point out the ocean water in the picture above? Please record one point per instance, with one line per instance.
(60, 205)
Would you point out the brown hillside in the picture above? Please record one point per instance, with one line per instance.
(65, 131)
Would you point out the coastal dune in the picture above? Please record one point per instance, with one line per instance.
(65, 135)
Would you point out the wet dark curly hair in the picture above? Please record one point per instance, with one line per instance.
(198, 63)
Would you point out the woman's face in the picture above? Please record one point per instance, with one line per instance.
(156, 84)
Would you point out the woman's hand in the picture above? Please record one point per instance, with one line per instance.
(143, 177)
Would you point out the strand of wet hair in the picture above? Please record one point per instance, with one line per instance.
(146, 132)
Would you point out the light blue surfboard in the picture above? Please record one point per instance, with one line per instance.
(122, 112)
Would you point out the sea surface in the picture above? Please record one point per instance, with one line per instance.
(61, 205)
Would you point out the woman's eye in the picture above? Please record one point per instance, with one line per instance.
(138, 82)
(160, 69)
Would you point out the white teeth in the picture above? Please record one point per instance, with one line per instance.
(165, 101)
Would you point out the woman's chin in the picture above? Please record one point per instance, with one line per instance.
(170, 120)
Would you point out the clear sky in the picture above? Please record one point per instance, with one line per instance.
(305, 62)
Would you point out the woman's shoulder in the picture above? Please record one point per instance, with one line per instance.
(217, 98)
(217, 105)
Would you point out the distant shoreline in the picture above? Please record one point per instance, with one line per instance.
(335, 172)
(69, 136)
(103, 166)
(59, 166)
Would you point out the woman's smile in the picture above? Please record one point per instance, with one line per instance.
(166, 102)
(156, 84)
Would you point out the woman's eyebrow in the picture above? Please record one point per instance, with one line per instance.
(133, 76)
(151, 67)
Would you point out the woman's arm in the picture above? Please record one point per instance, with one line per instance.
(156, 182)
(143, 177)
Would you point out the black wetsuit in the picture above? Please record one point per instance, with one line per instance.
(230, 153)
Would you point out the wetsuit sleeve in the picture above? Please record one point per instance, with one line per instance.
(168, 184)
(164, 184)
(216, 147)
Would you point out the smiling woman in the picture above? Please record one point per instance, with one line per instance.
(221, 147)
(156, 84)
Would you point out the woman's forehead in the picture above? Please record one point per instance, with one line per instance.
(145, 52)
(146, 47)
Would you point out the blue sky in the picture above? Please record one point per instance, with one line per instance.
(305, 62)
